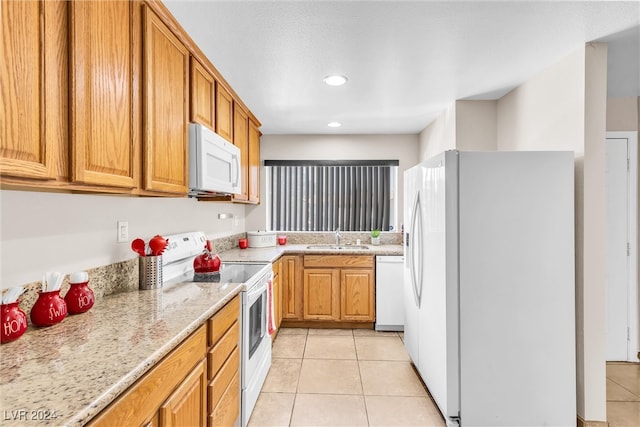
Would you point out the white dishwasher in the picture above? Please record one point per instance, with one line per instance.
(389, 294)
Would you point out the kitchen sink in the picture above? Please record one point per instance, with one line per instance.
(338, 247)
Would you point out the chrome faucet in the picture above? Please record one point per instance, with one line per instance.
(338, 235)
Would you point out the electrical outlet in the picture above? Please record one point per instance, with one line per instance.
(123, 231)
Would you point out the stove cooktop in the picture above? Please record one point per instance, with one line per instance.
(183, 248)
(229, 272)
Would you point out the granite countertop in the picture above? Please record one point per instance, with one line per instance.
(67, 373)
(272, 253)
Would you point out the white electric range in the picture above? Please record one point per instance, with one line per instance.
(255, 343)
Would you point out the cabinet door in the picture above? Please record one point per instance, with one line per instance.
(153, 422)
(254, 163)
(224, 113)
(358, 297)
(241, 140)
(33, 83)
(104, 65)
(277, 295)
(187, 406)
(292, 286)
(166, 83)
(321, 294)
(203, 94)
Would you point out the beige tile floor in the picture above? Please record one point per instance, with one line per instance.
(623, 394)
(342, 377)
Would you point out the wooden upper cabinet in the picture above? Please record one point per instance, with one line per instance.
(224, 113)
(166, 90)
(241, 140)
(104, 104)
(33, 82)
(254, 162)
(203, 95)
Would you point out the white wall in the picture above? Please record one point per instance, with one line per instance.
(623, 114)
(476, 125)
(69, 232)
(464, 125)
(334, 147)
(563, 108)
(440, 135)
(547, 111)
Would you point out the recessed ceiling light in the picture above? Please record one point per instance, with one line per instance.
(335, 80)
(334, 124)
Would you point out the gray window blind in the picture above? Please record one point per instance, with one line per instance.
(317, 197)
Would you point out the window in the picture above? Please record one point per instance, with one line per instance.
(326, 195)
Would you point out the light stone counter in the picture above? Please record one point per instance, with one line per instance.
(271, 254)
(69, 372)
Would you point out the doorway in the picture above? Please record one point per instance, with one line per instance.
(621, 246)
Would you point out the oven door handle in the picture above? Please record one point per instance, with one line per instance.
(255, 292)
(265, 313)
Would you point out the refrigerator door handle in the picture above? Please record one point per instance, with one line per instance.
(416, 228)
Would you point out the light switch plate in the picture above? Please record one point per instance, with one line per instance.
(123, 231)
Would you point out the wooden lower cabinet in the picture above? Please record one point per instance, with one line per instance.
(197, 384)
(339, 288)
(292, 287)
(357, 295)
(142, 403)
(223, 395)
(277, 294)
(187, 406)
(321, 294)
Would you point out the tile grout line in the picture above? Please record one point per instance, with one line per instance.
(364, 398)
(295, 396)
(625, 388)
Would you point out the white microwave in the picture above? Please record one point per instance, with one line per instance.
(214, 163)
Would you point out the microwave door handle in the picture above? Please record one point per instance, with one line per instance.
(235, 163)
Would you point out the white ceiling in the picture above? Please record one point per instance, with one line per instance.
(406, 60)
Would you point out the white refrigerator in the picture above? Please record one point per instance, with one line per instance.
(489, 286)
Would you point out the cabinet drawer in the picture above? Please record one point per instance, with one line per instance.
(338, 261)
(228, 409)
(223, 319)
(221, 351)
(220, 382)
